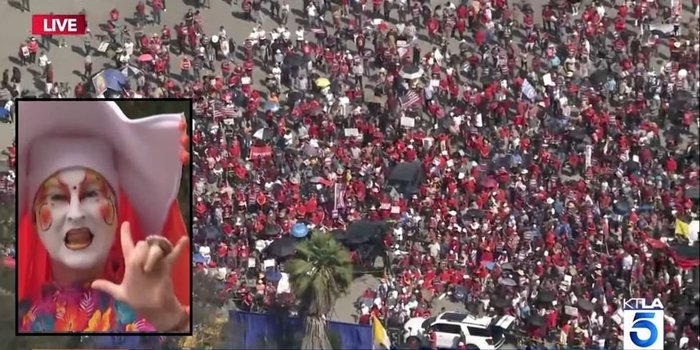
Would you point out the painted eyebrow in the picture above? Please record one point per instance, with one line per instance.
(62, 186)
(94, 183)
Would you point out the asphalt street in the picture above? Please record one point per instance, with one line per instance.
(68, 61)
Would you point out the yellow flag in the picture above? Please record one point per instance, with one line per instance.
(682, 228)
(379, 334)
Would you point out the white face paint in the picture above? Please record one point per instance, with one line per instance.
(75, 217)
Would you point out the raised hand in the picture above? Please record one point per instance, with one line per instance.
(147, 286)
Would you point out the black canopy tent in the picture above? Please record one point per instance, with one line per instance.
(282, 248)
(406, 177)
(364, 231)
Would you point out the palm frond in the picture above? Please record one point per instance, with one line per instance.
(320, 273)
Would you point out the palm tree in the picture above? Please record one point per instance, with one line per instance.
(320, 273)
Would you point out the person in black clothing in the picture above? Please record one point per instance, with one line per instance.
(416, 55)
(46, 42)
(635, 46)
(16, 75)
(275, 9)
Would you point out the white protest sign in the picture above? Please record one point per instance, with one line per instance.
(408, 122)
(352, 132)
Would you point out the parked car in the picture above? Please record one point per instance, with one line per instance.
(663, 30)
(451, 328)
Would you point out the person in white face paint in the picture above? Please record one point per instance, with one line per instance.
(94, 182)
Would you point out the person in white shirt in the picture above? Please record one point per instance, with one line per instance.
(129, 47)
(311, 14)
(299, 37)
(435, 249)
(600, 10)
(205, 252)
(284, 12)
(627, 262)
(437, 55)
(8, 105)
(222, 33)
(277, 73)
(43, 59)
(43, 62)
(398, 234)
(123, 58)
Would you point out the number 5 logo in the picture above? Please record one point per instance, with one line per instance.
(641, 321)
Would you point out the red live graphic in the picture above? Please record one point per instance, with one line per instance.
(58, 24)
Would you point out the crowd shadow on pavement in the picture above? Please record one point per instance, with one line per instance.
(78, 73)
(16, 61)
(15, 4)
(77, 49)
(132, 21)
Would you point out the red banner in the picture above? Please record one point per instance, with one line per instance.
(260, 152)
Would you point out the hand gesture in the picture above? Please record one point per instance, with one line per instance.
(147, 286)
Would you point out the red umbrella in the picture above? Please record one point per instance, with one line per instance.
(655, 243)
(489, 182)
(146, 58)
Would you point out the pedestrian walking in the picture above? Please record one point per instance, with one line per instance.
(358, 72)
(33, 47)
(24, 54)
(157, 6)
(140, 14)
(87, 67)
(185, 67)
(49, 75)
(43, 61)
(275, 9)
(46, 42)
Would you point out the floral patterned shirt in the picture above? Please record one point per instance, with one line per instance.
(78, 309)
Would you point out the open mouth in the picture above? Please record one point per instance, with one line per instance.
(78, 238)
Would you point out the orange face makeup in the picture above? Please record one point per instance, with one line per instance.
(94, 182)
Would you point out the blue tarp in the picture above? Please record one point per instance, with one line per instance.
(263, 331)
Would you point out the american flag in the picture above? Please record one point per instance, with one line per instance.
(224, 112)
(528, 90)
(410, 99)
(339, 196)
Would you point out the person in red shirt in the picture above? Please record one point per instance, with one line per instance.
(222, 253)
(33, 47)
(157, 7)
(670, 165)
(460, 27)
(140, 14)
(432, 339)
(49, 73)
(433, 26)
(114, 15)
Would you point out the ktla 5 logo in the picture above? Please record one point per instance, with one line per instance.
(643, 324)
(59, 24)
